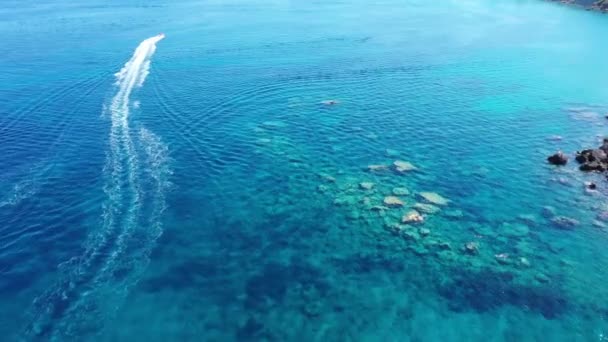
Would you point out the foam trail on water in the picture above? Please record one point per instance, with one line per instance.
(93, 285)
(132, 75)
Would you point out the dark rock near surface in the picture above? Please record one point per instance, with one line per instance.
(590, 185)
(601, 5)
(594, 159)
(604, 146)
(598, 5)
(593, 166)
(558, 159)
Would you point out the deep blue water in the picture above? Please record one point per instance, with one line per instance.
(219, 197)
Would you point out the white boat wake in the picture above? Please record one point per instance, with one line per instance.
(93, 285)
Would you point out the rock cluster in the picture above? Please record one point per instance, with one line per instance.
(594, 159)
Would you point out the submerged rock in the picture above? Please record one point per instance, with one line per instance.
(426, 208)
(561, 180)
(424, 231)
(400, 192)
(454, 213)
(434, 198)
(548, 212)
(396, 228)
(403, 166)
(327, 177)
(542, 278)
(502, 258)
(430, 243)
(410, 235)
(590, 186)
(377, 167)
(330, 102)
(345, 201)
(514, 229)
(558, 158)
(602, 216)
(471, 248)
(263, 141)
(378, 208)
(273, 124)
(294, 158)
(412, 216)
(393, 201)
(366, 185)
(444, 245)
(447, 256)
(524, 262)
(418, 249)
(563, 222)
(555, 138)
(353, 215)
(391, 152)
(528, 219)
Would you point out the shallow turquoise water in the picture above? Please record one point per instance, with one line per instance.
(221, 200)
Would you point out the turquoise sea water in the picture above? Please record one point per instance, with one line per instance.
(219, 197)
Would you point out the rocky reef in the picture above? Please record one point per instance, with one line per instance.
(598, 5)
(383, 216)
(593, 159)
(589, 159)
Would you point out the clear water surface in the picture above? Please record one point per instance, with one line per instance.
(219, 198)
